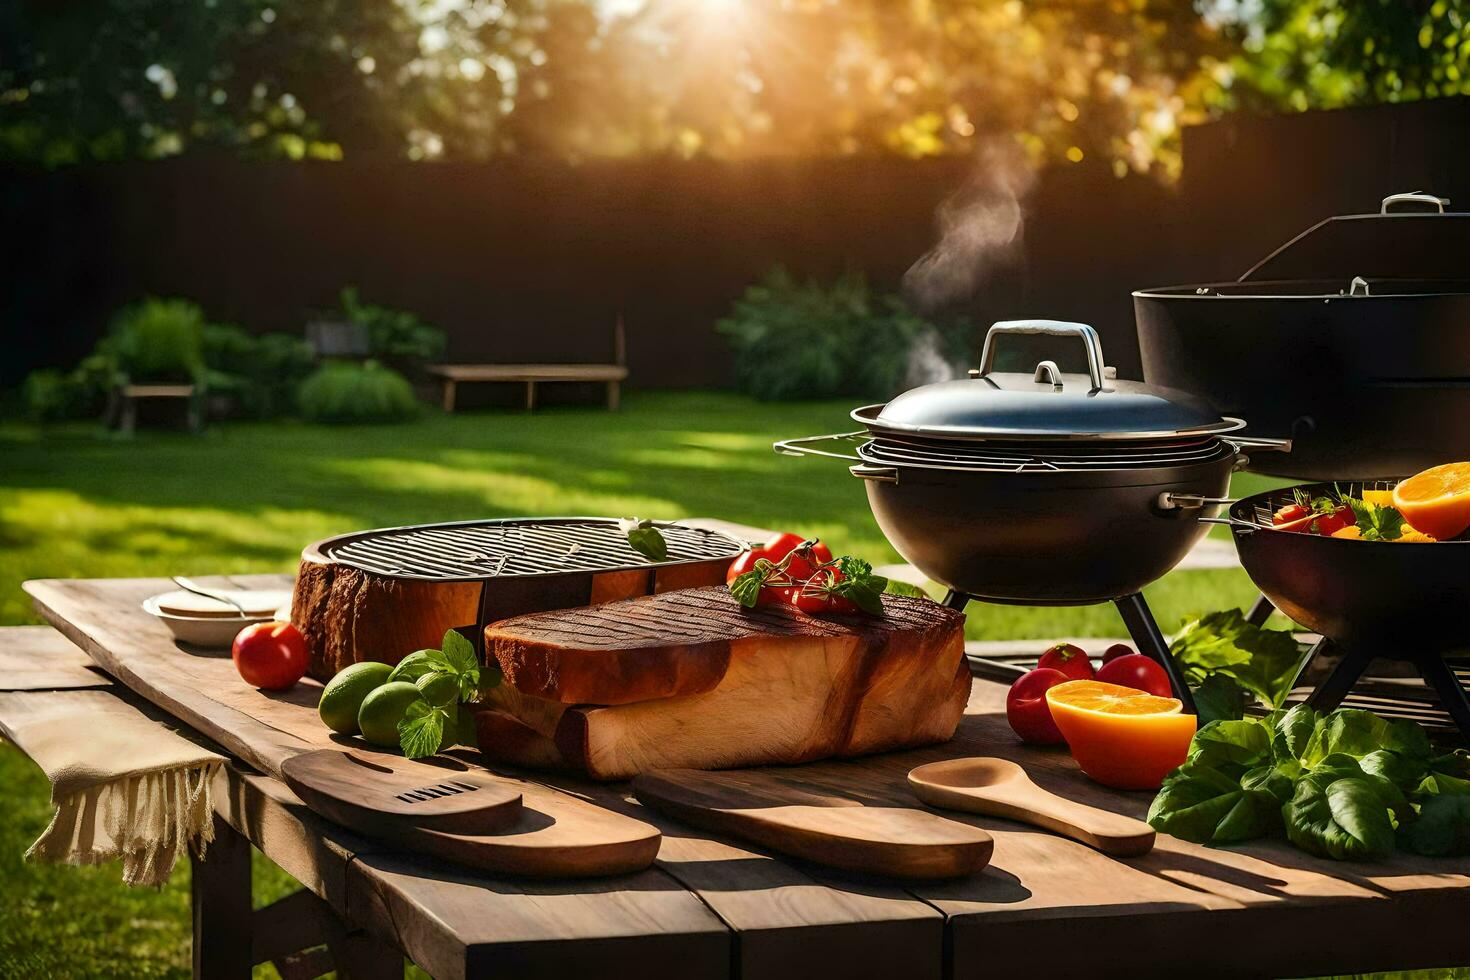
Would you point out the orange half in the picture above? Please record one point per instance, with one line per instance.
(1437, 501)
(1120, 737)
(1099, 697)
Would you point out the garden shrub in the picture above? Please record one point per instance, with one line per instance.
(261, 372)
(345, 391)
(157, 340)
(795, 340)
(395, 337)
(51, 395)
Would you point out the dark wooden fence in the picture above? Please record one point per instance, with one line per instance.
(524, 260)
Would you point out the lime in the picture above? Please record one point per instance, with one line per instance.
(343, 695)
(383, 709)
(439, 689)
(411, 667)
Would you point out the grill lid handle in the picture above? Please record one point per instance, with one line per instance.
(1046, 328)
(1413, 197)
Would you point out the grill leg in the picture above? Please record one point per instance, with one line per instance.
(1439, 676)
(1260, 611)
(1336, 685)
(1145, 633)
(956, 600)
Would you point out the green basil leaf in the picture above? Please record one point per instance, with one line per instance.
(1264, 662)
(414, 666)
(1218, 698)
(1403, 771)
(895, 587)
(747, 588)
(1443, 828)
(1242, 745)
(1293, 732)
(1341, 818)
(1201, 804)
(644, 538)
(1269, 779)
(1356, 733)
(459, 653)
(865, 592)
(421, 732)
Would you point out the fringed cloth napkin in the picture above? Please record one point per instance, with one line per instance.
(124, 786)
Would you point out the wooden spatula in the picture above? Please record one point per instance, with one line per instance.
(1000, 788)
(384, 795)
(898, 842)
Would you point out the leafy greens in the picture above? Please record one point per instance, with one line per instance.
(1347, 785)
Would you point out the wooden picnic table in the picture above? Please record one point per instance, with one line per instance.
(714, 907)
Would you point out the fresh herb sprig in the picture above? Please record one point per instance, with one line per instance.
(1376, 522)
(854, 581)
(645, 538)
(455, 676)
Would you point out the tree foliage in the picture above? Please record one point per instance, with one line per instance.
(576, 79)
(1323, 54)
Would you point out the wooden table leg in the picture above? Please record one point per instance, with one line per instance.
(530, 396)
(612, 396)
(448, 395)
(220, 895)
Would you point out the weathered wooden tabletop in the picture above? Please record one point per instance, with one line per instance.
(715, 908)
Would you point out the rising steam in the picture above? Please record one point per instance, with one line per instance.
(979, 230)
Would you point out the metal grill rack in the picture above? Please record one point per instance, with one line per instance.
(479, 550)
(1033, 459)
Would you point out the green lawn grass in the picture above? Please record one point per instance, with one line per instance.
(245, 497)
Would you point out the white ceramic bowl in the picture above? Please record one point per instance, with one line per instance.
(202, 631)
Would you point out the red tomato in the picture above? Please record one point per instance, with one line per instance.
(776, 595)
(271, 656)
(1027, 710)
(1335, 521)
(1289, 513)
(814, 597)
(744, 562)
(1138, 672)
(799, 569)
(1115, 651)
(1070, 660)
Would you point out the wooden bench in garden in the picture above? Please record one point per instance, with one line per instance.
(122, 407)
(451, 375)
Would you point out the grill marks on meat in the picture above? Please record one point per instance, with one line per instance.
(669, 645)
(693, 679)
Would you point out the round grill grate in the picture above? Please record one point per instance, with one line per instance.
(475, 550)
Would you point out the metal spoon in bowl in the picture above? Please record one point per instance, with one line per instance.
(188, 586)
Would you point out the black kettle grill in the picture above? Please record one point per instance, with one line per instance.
(1044, 488)
(1352, 340)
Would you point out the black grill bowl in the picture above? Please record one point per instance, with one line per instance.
(1402, 600)
(1054, 539)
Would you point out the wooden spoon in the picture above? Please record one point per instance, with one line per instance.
(382, 795)
(1000, 788)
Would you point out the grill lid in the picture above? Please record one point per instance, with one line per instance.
(1046, 405)
(1412, 237)
(478, 550)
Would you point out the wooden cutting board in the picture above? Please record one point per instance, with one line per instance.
(892, 841)
(557, 835)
